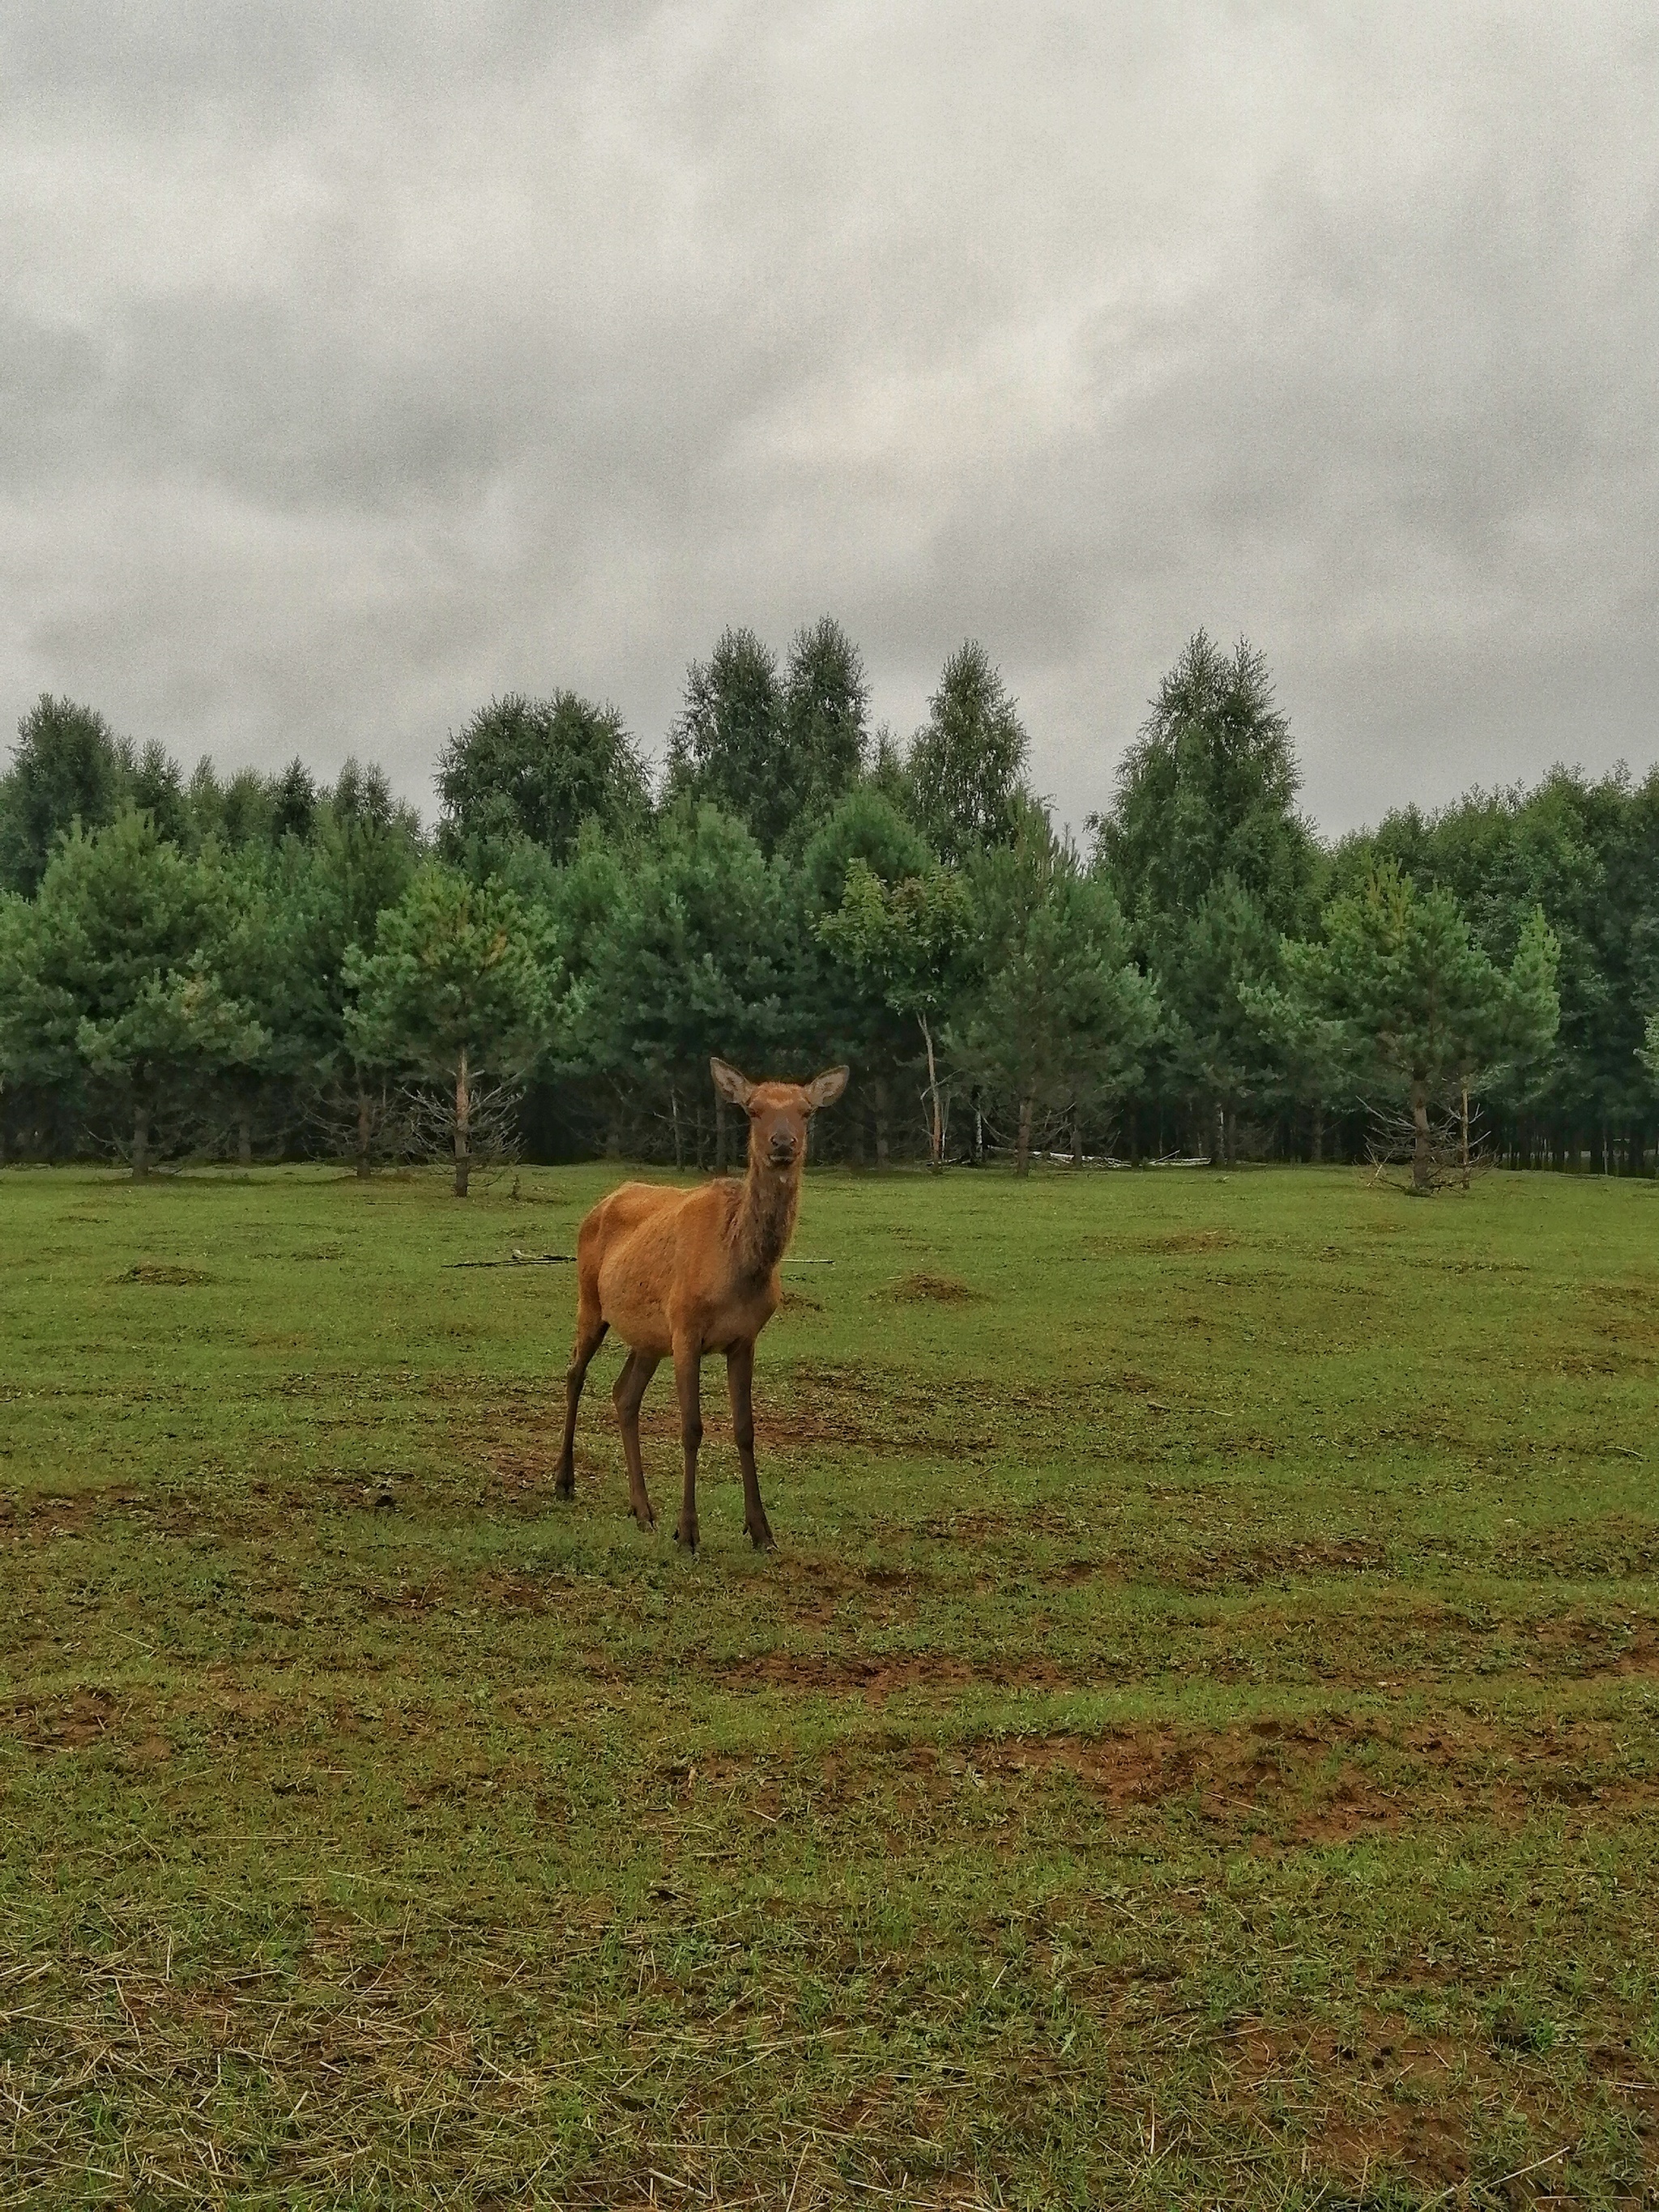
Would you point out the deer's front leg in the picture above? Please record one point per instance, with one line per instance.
(688, 1382)
(740, 1381)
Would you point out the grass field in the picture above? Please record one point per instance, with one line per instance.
(1195, 1744)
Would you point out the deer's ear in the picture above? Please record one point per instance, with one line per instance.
(732, 1086)
(824, 1090)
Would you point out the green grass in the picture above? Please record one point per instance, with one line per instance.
(1194, 1745)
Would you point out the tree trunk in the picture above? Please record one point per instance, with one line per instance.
(1463, 1126)
(879, 1089)
(462, 1127)
(679, 1139)
(979, 1129)
(365, 1130)
(140, 1143)
(1421, 1175)
(1318, 1132)
(1077, 1138)
(244, 1142)
(935, 1127)
(1219, 1143)
(1023, 1148)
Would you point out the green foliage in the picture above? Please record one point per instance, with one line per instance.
(457, 988)
(1061, 1016)
(300, 911)
(967, 764)
(1649, 1052)
(698, 956)
(458, 973)
(25, 1025)
(1588, 853)
(1207, 791)
(115, 976)
(1402, 968)
(776, 752)
(666, 937)
(725, 748)
(1218, 971)
(1420, 1000)
(909, 939)
(67, 767)
(294, 802)
(155, 787)
(866, 825)
(178, 1028)
(825, 710)
(538, 769)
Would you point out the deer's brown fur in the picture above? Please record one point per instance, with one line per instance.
(680, 1274)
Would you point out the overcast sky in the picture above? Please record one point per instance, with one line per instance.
(359, 362)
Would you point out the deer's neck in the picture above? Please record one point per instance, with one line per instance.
(765, 1217)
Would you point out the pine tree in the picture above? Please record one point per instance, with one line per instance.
(1421, 1001)
(456, 989)
(1062, 1016)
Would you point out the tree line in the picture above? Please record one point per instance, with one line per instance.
(263, 966)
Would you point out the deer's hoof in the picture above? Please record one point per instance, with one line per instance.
(688, 1538)
(762, 1539)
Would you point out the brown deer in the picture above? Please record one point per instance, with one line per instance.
(679, 1273)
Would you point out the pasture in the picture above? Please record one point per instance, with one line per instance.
(1195, 1743)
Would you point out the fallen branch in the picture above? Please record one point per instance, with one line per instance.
(568, 1260)
(520, 1260)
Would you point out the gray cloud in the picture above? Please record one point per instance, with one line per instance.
(357, 364)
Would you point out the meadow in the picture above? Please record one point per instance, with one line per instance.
(1194, 1744)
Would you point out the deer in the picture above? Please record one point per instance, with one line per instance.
(680, 1274)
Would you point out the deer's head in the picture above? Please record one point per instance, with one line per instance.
(778, 1112)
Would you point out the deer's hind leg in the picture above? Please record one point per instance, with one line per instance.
(626, 1394)
(589, 1335)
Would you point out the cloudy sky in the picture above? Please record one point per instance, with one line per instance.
(359, 362)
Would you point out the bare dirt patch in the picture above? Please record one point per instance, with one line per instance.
(64, 1722)
(1222, 1567)
(511, 1593)
(878, 1676)
(162, 1273)
(43, 1514)
(924, 1289)
(1298, 1779)
(1326, 1780)
(1406, 2097)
